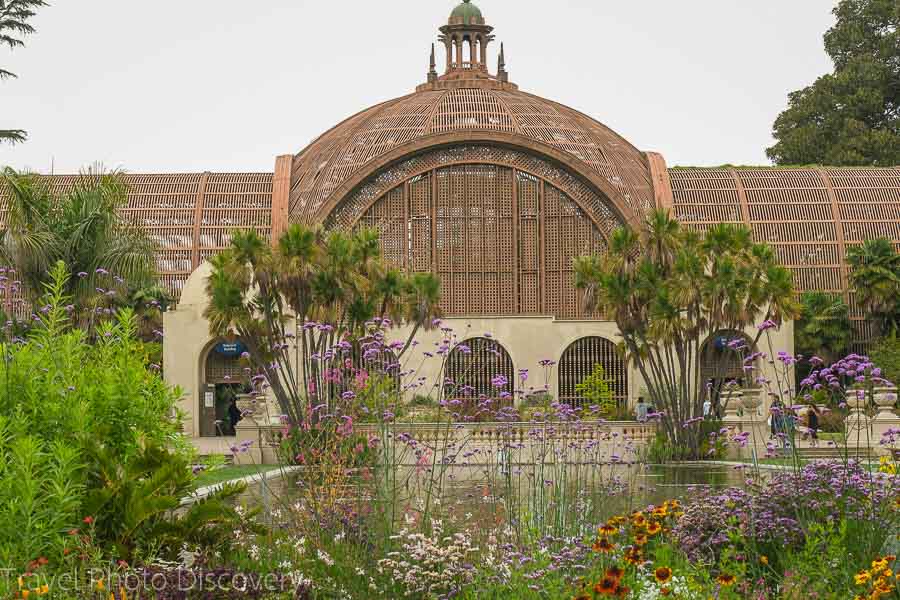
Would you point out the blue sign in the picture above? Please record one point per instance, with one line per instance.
(231, 349)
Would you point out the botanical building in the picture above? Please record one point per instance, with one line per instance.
(495, 190)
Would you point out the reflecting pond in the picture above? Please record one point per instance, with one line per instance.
(478, 492)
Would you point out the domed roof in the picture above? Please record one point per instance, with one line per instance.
(466, 14)
(360, 146)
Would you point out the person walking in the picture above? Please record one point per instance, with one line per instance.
(812, 417)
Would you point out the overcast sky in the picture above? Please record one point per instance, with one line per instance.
(226, 85)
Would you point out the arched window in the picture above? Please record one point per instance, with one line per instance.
(722, 358)
(224, 364)
(722, 362)
(578, 362)
(480, 369)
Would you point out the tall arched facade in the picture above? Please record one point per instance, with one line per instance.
(500, 227)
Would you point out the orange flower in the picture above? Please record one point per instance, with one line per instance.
(603, 545)
(726, 580)
(662, 574)
(665, 591)
(640, 540)
(654, 528)
(607, 587)
(622, 591)
(615, 572)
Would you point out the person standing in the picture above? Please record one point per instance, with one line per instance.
(812, 416)
(641, 410)
(234, 415)
(776, 416)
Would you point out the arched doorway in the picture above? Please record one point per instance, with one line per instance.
(578, 362)
(224, 378)
(480, 376)
(722, 363)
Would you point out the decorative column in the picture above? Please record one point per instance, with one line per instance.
(886, 424)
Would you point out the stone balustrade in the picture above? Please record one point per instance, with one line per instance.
(582, 441)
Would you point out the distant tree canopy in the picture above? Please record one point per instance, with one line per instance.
(850, 117)
(14, 25)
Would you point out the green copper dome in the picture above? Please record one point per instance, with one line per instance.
(467, 14)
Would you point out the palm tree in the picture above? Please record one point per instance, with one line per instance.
(824, 326)
(82, 227)
(875, 281)
(14, 18)
(423, 304)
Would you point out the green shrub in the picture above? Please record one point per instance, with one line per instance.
(886, 354)
(62, 391)
(40, 489)
(596, 391)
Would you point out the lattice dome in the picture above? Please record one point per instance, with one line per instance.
(323, 172)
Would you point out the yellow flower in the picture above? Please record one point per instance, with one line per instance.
(726, 580)
(603, 545)
(862, 578)
(100, 586)
(764, 560)
(607, 530)
(662, 574)
(878, 565)
(21, 582)
(640, 540)
(654, 528)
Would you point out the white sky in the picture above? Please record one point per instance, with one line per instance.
(222, 85)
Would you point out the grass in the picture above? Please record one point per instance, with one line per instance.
(229, 473)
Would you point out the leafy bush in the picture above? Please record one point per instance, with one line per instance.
(40, 488)
(596, 391)
(777, 517)
(131, 504)
(886, 354)
(61, 393)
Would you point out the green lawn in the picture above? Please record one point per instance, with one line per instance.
(228, 473)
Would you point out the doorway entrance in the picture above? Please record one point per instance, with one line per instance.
(223, 381)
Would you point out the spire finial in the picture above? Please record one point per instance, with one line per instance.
(502, 75)
(432, 71)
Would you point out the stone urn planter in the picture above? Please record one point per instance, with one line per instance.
(751, 401)
(885, 398)
(250, 408)
(857, 419)
(732, 401)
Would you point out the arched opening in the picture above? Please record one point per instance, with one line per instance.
(579, 362)
(225, 377)
(466, 55)
(479, 378)
(722, 358)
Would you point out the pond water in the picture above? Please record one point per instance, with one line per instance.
(617, 489)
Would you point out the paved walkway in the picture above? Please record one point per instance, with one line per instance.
(208, 446)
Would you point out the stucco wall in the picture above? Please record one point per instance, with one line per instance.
(528, 340)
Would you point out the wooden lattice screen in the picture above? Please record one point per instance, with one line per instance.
(189, 217)
(722, 364)
(223, 369)
(499, 227)
(472, 371)
(578, 362)
(809, 216)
